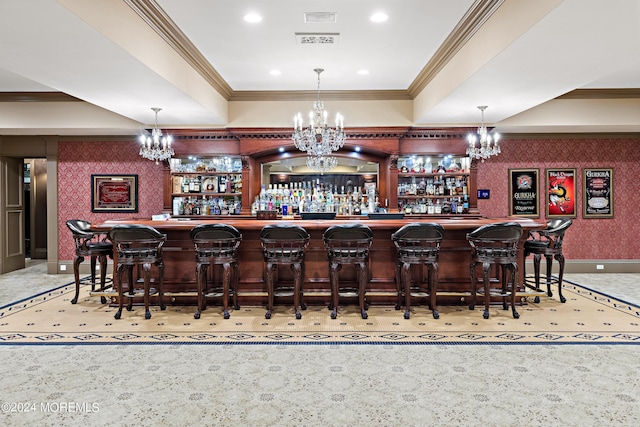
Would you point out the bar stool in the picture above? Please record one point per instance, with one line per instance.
(90, 244)
(284, 244)
(348, 244)
(216, 244)
(547, 242)
(495, 244)
(138, 245)
(417, 244)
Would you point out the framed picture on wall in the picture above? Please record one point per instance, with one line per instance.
(524, 192)
(114, 193)
(597, 194)
(561, 193)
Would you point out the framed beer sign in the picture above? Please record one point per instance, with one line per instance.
(114, 193)
(524, 192)
(561, 193)
(597, 193)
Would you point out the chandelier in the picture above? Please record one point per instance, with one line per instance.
(318, 140)
(483, 145)
(321, 164)
(156, 147)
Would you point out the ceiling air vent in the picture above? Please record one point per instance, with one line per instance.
(317, 38)
(320, 17)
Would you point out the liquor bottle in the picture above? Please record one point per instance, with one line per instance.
(430, 208)
(454, 206)
(438, 208)
(403, 168)
(422, 187)
(277, 204)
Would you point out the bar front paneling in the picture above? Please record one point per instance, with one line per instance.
(455, 257)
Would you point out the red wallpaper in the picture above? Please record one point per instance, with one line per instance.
(77, 161)
(611, 238)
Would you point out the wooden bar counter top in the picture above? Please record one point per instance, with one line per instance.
(455, 256)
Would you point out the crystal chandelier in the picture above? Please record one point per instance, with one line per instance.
(321, 164)
(318, 139)
(483, 145)
(156, 147)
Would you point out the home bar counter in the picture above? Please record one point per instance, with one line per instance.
(455, 257)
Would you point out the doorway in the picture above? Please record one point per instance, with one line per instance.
(35, 197)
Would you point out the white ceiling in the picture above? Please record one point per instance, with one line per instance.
(525, 54)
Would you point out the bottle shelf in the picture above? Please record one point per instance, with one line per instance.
(206, 194)
(205, 173)
(430, 196)
(431, 175)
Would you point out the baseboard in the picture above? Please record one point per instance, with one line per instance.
(591, 266)
(571, 266)
(66, 267)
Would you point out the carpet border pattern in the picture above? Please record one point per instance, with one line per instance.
(629, 336)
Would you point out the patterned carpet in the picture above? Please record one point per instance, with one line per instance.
(587, 317)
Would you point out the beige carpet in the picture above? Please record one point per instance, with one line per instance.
(587, 317)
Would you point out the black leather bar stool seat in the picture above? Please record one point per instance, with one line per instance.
(216, 244)
(138, 245)
(94, 245)
(417, 244)
(284, 245)
(495, 244)
(547, 243)
(348, 244)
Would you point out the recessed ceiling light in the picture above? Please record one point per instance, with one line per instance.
(379, 17)
(275, 72)
(363, 72)
(252, 17)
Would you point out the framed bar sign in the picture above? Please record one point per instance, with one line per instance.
(114, 193)
(524, 192)
(597, 193)
(561, 193)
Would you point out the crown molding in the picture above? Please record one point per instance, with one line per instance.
(620, 93)
(37, 97)
(352, 133)
(163, 25)
(570, 135)
(151, 12)
(334, 95)
(470, 23)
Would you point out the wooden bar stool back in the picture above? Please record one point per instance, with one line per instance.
(284, 245)
(495, 244)
(216, 244)
(547, 243)
(417, 244)
(138, 245)
(93, 245)
(348, 244)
